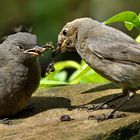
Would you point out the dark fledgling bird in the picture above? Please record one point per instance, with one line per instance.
(108, 51)
(19, 72)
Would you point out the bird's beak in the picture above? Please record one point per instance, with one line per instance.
(36, 51)
(61, 47)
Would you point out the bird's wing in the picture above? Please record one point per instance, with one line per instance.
(113, 44)
(4, 57)
(3, 85)
(3, 70)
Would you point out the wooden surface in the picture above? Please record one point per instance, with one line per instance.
(43, 123)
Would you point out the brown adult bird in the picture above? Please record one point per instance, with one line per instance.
(110, 52)
(19, 71)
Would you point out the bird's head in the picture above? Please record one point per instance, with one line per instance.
(22, 46)
(69, 35)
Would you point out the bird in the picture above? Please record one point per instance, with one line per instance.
(108, 51)
(19, 72)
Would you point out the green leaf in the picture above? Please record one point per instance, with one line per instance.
(93, 77)
(129, 25)
(61, 76)
(66, 64)
(127, 16)
(85, 75)
(58, 77)
(138, 39)
(139, 17)
(47, 83)
(59, 66)
(80, 72)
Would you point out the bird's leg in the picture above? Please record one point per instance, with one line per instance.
(110, 115)
(5, 121)
(102, 105)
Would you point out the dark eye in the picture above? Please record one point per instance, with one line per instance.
(65, 31)
(19, 46)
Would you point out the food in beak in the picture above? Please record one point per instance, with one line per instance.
(61, 47)
(39, 50)
(57, 50)
(35, 51)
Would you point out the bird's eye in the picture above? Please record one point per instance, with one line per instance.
(65, 31)
(20, 47)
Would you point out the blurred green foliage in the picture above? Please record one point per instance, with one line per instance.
(131, 19)
(138, 39)
(83, 73)
(47, 17)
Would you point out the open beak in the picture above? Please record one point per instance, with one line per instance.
(36, 51)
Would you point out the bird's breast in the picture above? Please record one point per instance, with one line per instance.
(22, 81)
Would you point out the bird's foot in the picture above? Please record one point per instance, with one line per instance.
(50, 68)
(6, 121)
(93, 107)
(104, 117)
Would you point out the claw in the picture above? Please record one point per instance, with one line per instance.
(6, 121)
(100, 118)
(104, 117)
(50, 68)
(93, 107)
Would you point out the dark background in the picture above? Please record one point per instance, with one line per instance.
(47, 17)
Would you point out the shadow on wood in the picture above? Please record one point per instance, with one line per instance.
(40, 104)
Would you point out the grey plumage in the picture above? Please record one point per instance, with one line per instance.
(110, 52)
(19, 72)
